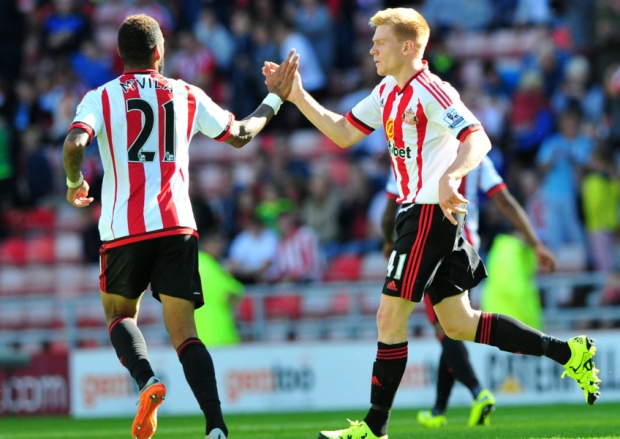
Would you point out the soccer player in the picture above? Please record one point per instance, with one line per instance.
(425, 122)
(454, 361)
(144, 123)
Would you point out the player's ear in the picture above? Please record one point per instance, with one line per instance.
(157, 52)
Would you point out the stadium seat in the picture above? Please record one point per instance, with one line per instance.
(345, 267)
(68, 247)
(245, 310)
(40, 250)
(13, 251)
(373, 266)
(283, 307)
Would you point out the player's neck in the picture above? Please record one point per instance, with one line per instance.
(409, 71)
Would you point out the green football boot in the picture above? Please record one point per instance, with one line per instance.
(427, 419)
(581, 368)
(481, 409)
(357, 430)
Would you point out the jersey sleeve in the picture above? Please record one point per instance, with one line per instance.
(490, 181)
(211, 119)
(366, 114)
(447, 110)
(89, 114)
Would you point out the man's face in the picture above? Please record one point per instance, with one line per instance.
(387, 51)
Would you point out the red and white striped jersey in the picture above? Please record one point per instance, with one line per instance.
(424, 124)
(144, 123)
(483, 178)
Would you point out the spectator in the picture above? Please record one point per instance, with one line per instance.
(601, 203)
(193, 63)
(28, 110)
(155, 9)
(531, 119)
(215, 320)
(298, 256)
(315, 79)
(272, 203)
(468, 15)
(95, 66)
(511, 286)
(244, 96)
(7, 168)
(533, 13)
(252, 252)
(354, 225)
(578, 89)
(562, 159)
(313, 19)
(320, 211)
(64, 29)
(214, 36)
(39, 175)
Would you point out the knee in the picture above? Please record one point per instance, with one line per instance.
(456, 330)
(391, 326)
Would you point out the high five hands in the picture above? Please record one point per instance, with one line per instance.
(279, 78)
(290, 66)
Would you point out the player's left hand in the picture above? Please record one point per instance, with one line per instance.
(450, 200)
(79, 196)
(544, 257)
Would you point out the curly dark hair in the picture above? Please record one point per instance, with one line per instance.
(137, 37)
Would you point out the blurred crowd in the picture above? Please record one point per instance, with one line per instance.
(543, 77)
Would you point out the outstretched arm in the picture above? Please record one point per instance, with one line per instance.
(333, 125)
(512, 210)
(279, 85)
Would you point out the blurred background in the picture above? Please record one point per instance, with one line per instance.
(292, 220)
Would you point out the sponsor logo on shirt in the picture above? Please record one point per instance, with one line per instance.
(453, 119)
(392, 148)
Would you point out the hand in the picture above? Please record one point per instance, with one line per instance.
(79, 196)
(450, 200)
(270, 71)
(388, 247)
(544, 257)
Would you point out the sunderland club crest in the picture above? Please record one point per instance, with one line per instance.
(409, 117)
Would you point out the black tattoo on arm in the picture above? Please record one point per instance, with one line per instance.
(73, 152)
(246, 129)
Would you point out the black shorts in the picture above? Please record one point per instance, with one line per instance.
(431, 256)
(169, 264)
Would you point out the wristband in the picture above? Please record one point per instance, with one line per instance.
(75, 184)
(274, 101)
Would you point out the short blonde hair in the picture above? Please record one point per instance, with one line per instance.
(408, 24)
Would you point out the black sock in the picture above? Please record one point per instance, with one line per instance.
(509, 334)
(130, 348)
(445, 382)
(387, 371)
(457, 359)
(555, 349)
(200, 375)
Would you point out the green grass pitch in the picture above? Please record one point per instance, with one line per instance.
(601, 421)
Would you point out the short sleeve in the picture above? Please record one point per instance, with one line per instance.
(366, 115)
(490, 180)
(211, 119)
(445, 108)
(89, 114)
